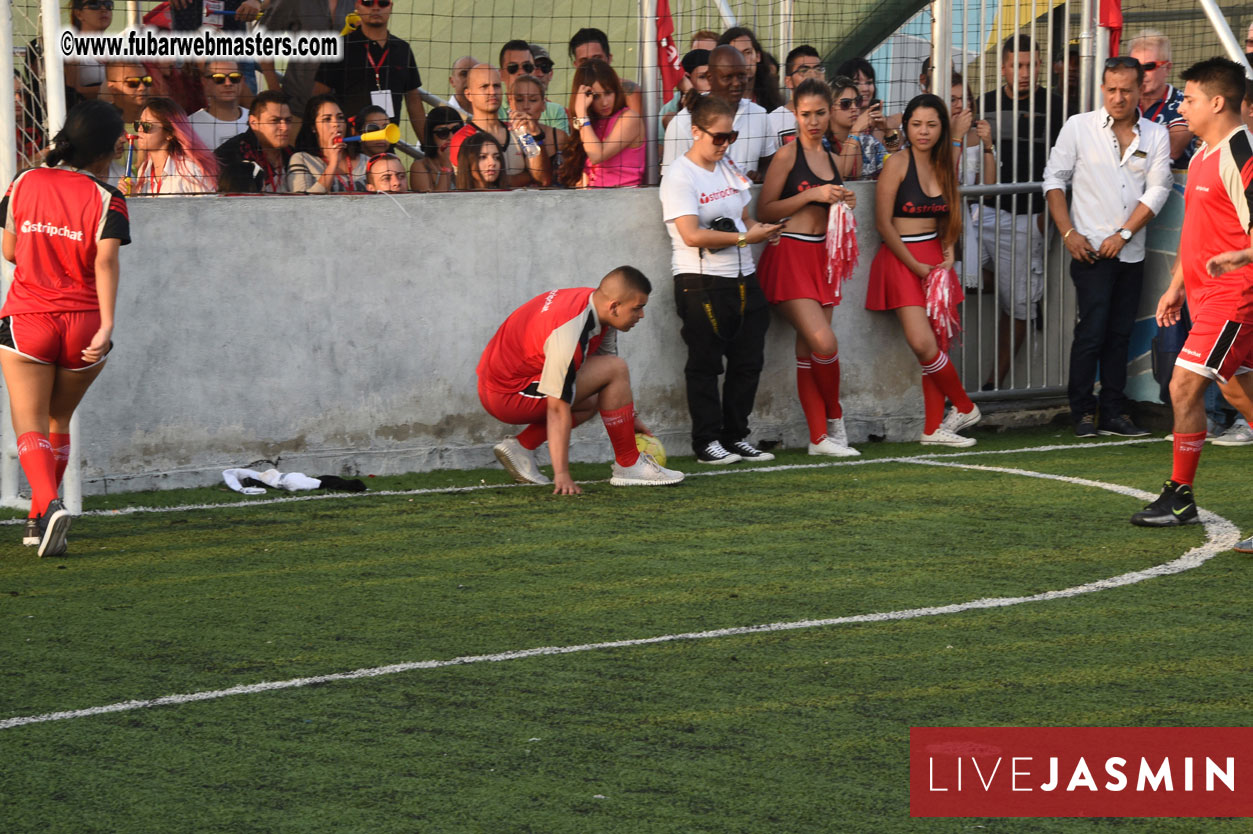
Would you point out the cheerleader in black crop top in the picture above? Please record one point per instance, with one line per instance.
(917, 215)
(801, 184)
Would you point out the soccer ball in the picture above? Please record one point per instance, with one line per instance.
(650, 445)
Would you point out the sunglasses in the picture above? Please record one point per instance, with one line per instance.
(544, 64)
(369, 4)
(720, 139)
(526, 66)
(148, 127)
(444, 131)
(846, 103)
(96, 5)
(221, 78)
(133, 82)
(1127, 62)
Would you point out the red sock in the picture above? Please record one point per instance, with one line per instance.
(620, 423)
(947, 380)
(811, 400)
(60, 453)
(34, 452)
(933, 402)
(1186, 457)
(533, 436)
(827, 374)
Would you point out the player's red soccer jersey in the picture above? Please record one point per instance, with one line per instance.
(538, 349)
(58, 215)
(1218, 206)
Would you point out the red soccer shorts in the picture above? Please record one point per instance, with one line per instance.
(52, 338)
(514, 409)
(1217, 349)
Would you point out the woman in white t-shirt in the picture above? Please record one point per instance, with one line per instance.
(173, 160)
(704, 199)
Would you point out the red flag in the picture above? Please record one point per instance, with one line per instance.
(668, 54)
(1111, 18)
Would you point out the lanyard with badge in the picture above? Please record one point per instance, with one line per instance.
(736, 179)
(378, 96)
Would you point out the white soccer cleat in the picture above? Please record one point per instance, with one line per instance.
(828, 446)
(943, 437)
(955, 420)
(519, 462)
(644, 472)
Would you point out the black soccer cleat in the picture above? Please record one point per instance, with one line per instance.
(1175, 506)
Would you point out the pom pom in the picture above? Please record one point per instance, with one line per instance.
(842, 252)
(944, 297)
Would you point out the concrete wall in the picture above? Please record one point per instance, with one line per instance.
(340, 334)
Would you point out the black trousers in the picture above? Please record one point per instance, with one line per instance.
(1108, 294)
(723, 318)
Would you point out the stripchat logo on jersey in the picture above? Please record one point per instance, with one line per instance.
(53, 231)
(1081, 772)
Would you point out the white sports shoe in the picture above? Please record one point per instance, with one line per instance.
(644, 472)
(828, 446)
(1238, 435)
(944, 437)
(955, 420)
(519, 462)
(836, 433)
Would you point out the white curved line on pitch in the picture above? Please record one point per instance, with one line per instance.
(746, 470)
(1221, 534)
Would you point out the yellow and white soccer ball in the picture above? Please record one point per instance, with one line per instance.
(650, 445)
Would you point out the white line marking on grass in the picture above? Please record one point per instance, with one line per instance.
(784, 467)
(1221, 534)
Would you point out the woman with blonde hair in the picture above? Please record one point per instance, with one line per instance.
(606, 147)
(174, 161)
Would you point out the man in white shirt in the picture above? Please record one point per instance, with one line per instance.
(1118, 166)
(728, 79)
(457, 80)
(802, 62)
(222, 116)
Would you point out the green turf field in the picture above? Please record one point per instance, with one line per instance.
(796, 730)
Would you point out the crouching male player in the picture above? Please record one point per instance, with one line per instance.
(553, 364)
(1212, 271)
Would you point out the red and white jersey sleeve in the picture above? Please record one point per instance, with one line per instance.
(541, 346)
(58, 216)
(1218, 209)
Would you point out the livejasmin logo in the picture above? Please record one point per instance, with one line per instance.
(1081, 772)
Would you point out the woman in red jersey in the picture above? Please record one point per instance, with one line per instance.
(918, 215)
(62, 230)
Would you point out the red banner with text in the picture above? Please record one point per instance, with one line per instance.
(1081, 771)
(668, 52)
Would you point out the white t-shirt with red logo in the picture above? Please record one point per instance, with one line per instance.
(690, 189)
(58, 215)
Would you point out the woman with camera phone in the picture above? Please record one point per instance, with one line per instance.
(918, 215)
(704, 199)
(801, 185)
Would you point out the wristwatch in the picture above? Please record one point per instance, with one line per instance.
(1125, 234)
(743, 241)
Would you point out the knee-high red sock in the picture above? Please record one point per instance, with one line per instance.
(533, 436)
(1187, 454)
(933, 403)
(811, 400)
(60, 453)
(827, 375)
(620, 424)
(947, 380)
(34, 452)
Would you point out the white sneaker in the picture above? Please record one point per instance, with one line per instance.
(1238, 435)
(956, 420)
(644, 472)
(519, 462)
(828, 446)
(836, 433)
(715, 454)
(944, 437)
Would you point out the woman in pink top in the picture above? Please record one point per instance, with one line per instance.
(606, 147)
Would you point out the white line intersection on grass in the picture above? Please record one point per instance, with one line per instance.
(1221, 534)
